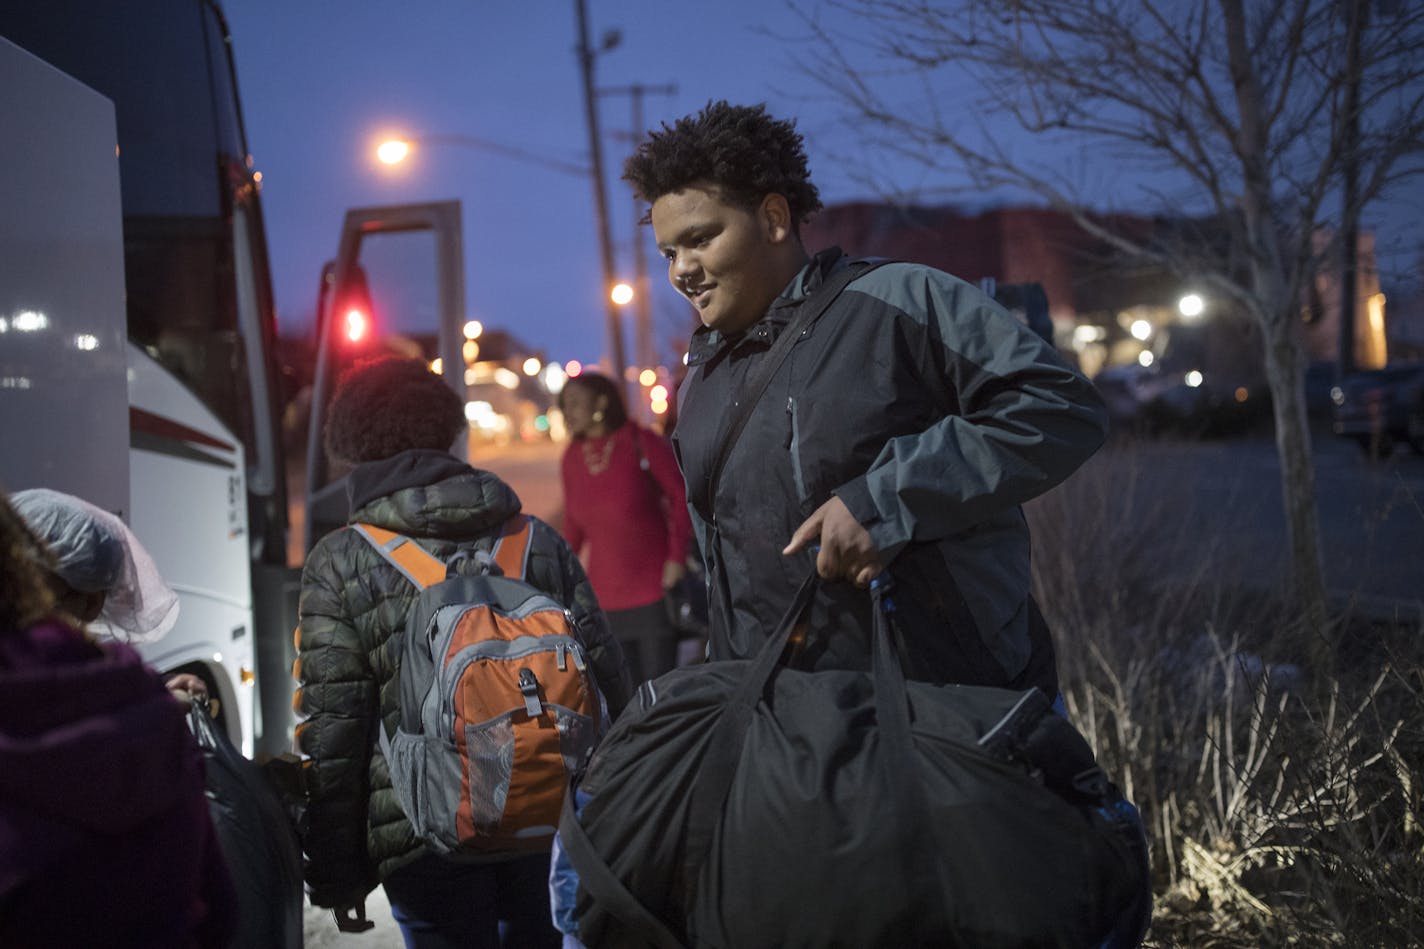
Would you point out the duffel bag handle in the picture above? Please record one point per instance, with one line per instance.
(724, 748)
(902, 765)
(892, 711)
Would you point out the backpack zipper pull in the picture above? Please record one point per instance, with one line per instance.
(529, 688)
(561, 656)
(577, 653)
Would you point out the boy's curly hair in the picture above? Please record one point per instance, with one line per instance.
(741, 149)
(388, 405)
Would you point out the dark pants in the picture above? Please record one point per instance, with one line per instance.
(445, 904)
(648, 638)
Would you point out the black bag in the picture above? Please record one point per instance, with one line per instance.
(745, 804)
(257, 840)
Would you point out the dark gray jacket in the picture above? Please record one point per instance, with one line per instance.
(352, 602)
(933, 414)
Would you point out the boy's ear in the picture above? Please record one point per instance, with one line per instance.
(775, 216)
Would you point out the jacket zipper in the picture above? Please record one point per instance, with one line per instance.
(793, 447)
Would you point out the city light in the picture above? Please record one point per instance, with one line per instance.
(29, 321)
(471, 350)
(356, 325)
(1193, 378)
(393, 152)
(658, 393)
(532, 366)
(1145, 358)
(506, 377)
(647, 377)
(1085, 333)
(554, 378)
(572, 368)
(621, 294)
(1140, 329)
(1191, 305)
(659, 408)
(437, 365)
(473, 329)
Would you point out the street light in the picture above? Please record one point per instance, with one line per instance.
(393, 151)
(621, 294)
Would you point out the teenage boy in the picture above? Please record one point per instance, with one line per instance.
(904, 429)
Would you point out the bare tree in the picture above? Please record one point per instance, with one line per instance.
(1258, 110)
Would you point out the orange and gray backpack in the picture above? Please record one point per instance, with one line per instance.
(497, 705)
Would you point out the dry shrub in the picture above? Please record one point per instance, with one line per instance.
(1281, 810)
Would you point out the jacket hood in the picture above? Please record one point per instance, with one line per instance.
(429, 494)
(91, 743)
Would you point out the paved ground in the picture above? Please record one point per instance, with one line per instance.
(1226, 497)
(320, 930)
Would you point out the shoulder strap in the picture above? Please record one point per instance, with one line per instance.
(807, 313)
(413, 561)
(422, 568)
(603, 885)
(511, 547)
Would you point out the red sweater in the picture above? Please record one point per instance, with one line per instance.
(633, 520)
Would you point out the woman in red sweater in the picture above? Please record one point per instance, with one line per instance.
(625, 513)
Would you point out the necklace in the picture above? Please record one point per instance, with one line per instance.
(596, 459)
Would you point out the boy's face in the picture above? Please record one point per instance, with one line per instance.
(729, 262)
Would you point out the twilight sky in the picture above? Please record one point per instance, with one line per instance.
(322, 82)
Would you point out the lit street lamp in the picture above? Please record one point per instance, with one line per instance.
(393, 151)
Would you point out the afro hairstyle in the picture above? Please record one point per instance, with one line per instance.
(740, 149)
(388, 405)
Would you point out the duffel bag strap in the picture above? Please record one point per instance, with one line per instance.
(724, 747)
(605, 887)
(892, 715)
(752, 388)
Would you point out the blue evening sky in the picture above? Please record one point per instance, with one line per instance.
(322, 82)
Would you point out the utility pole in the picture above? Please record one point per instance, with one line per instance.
(1357, 19)
(605, 239)
(645, 349)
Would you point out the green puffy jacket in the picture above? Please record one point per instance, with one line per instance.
(352, 602)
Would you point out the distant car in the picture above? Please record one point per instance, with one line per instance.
(1152, 400)
(1379, 407)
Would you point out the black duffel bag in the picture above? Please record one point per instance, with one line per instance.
(747, 804)
(257, 840)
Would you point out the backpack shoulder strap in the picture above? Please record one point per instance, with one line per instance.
(511, 547)
(413, 561)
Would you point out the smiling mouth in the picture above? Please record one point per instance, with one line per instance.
(698, 295)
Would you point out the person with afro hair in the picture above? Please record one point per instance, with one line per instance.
(394, 422)
(898, 427)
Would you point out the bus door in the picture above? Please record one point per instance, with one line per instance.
(396, 286)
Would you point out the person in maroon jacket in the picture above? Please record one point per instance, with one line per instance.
(105, 837)
(625, 511)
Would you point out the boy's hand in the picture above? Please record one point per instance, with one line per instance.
(847, 553)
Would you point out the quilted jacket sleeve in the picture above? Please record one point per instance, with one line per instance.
(337, 705)
(554, 567)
